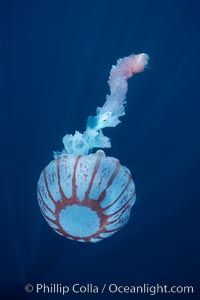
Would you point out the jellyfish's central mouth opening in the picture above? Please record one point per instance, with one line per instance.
(79, 221)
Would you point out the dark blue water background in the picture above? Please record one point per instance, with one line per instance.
(55, 58)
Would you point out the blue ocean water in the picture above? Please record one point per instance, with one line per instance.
(55, 58)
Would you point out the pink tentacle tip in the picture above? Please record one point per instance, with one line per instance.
(136, 64)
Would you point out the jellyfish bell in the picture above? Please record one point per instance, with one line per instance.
(86, 195)
(86, 198)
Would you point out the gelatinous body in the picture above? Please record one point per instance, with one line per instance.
(86, 198)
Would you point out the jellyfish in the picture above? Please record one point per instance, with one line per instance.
(83, 194)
